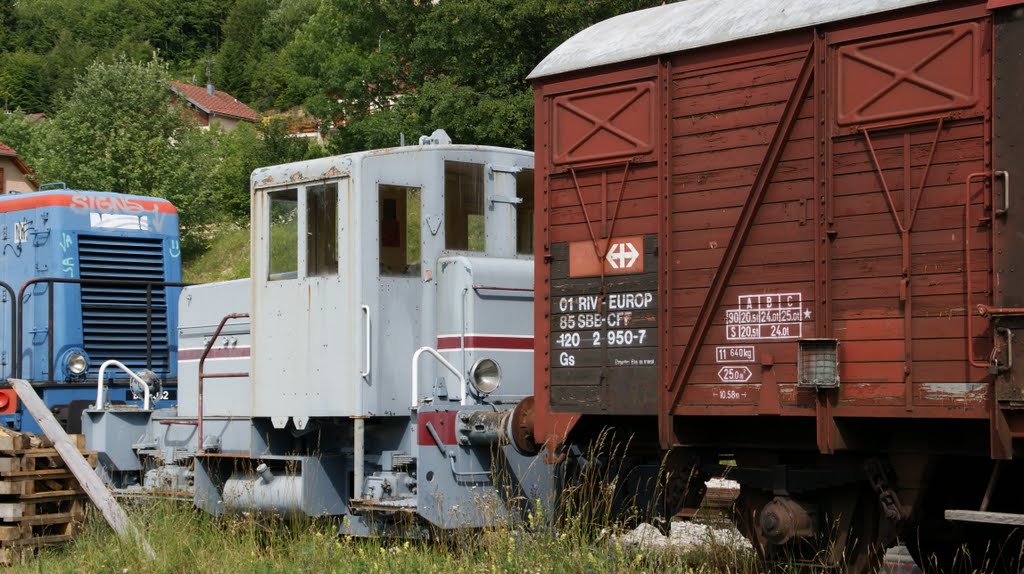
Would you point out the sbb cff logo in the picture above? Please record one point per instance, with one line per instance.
(615, 256)
(622, 255)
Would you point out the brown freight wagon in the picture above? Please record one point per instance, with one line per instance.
(784, 233)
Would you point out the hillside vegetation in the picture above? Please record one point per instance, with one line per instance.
(365, 72)
(226, 258)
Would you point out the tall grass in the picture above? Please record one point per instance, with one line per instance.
(189, 541)
(575, 537)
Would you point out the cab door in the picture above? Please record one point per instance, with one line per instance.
(305, 343)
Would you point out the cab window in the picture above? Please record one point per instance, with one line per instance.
(284, 234)
(524, 213)
(463, 206)
(322, 230)
(399, 216)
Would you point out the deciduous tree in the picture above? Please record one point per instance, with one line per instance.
(119, 130)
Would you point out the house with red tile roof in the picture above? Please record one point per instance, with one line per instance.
(15, 176)
(213, 106)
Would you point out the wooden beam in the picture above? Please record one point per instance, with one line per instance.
(1003, 518)
(88, 478)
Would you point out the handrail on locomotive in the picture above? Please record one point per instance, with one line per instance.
(203, 375)
(18, 319)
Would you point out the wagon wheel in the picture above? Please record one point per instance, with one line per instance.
(854, 539)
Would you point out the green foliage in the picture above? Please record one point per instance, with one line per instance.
(392, 67)
(374, 70)
(21, 133)
(23, 82)
(243, 150)
(240, 152)
(378, 68)
(239, 59)
(117, 130)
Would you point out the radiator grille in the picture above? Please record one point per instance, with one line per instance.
(114, 316)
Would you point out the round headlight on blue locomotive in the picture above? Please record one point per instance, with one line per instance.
(75, 363)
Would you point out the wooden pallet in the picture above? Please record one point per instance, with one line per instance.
(41, 502)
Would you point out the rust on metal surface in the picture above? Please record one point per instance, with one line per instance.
(521, 427)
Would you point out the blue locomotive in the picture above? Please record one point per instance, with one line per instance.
(85, 278)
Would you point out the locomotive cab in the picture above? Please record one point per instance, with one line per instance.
(350, 266)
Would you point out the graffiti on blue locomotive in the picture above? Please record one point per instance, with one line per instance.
(88, 278)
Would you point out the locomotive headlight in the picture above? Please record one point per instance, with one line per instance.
(77, 363)
(485, 376)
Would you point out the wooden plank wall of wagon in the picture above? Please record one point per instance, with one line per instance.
(726, 106)
(725, 110)
(867, 311)
(637, 215)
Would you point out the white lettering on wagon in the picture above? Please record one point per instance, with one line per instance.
(734, 374)
(735, 354)
(766, 317)
(613, 301)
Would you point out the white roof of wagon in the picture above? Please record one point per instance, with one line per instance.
(695, 23)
